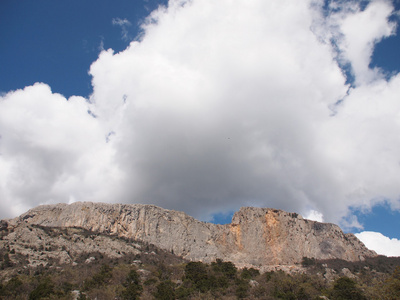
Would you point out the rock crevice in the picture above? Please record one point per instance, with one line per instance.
(256, 236)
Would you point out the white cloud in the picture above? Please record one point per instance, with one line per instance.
(314, 216)
(121, 22)
(379, 243)
(222, 103)
(358, 32)
(216, 107)
(51, 151)
(101, 45)
(124, 24)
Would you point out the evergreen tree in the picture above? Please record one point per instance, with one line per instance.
(132, 285)
(346, 289)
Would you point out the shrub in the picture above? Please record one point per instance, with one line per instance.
(165, 291)
(345, 289)
(249, 273)
(195, 271)
(100, 278)
(12, 287)
(132, 286)
(183, 292)
(44, 289)
(242, 287)
(226, 268)
(391, 286)
(150, 281)
(307, 262)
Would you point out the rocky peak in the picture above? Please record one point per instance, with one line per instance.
(256, 237)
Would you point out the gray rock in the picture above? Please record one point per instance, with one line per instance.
(41, 244)
(253, 283)
(75, 294)
(256, 236)
(90, 260)
(346, 272)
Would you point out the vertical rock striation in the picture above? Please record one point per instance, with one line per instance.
(256, 236)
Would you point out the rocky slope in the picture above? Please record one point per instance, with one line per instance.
(41, 245)
(256, 237)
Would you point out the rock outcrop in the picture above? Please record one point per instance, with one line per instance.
(38, 245)
(256, 237)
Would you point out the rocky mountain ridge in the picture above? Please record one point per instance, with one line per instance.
(256, 237)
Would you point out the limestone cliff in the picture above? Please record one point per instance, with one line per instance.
(256, 236)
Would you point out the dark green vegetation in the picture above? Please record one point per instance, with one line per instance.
(160, 276)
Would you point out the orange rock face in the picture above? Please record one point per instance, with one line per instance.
(256, 237)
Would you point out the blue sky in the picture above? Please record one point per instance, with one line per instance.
(56, 41)
(382, 219)
(204, 107)
(386, 52)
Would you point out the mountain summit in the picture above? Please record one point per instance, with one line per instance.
(256, 236)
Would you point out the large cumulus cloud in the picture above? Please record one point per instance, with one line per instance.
(218, 105)
(51, 150)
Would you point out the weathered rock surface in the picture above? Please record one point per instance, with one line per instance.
(256, 236)
(40, 245)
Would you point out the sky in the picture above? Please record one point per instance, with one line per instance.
(205, 107)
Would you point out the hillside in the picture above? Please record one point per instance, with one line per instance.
(111, 251)
(71, 263)
(257, 237)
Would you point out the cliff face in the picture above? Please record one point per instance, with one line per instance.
(256, 236)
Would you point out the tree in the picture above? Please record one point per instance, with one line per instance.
(44, 289)
(100, 278)
(165, 291)
(12, 287)
(242, 287)
(226, 268)
(196, 272)
(132, 285)
(249, 273)
(307, 262)
(392, 285)
(346, 289)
